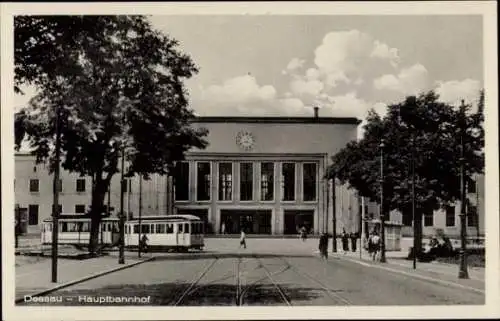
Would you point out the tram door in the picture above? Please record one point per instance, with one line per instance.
(106, 231)
(47, 233)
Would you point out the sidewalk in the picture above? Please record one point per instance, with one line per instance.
(35, 277)
(396, 262)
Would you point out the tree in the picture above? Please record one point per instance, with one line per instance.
(119, 86)
(423, 129)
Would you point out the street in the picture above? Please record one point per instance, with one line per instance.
(285, 273)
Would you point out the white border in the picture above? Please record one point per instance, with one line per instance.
(486, 9)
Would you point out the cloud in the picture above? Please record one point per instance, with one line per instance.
(382, 50)
(411, 80)
(294, 64)
(305, 88)
(238, 90)
(454, 91)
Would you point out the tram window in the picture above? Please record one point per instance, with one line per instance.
(170, 228)
(49, 227)
(64, 227)
(180, 227)
(187, 228)
(136, 228)
(160, 228)
(145, 228)
(152, 228)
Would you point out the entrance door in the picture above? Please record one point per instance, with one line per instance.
(253, 221)
(296, 219)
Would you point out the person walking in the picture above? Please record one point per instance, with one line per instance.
(375, 243)
(303, 233)
(144, 243)
(223, 228)
(243, 241)
(323, 246)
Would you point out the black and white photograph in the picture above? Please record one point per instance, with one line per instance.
(176, 156)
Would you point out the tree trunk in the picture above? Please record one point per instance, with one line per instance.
(96, 210)
(418, 231)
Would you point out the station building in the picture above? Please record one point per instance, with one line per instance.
(265, 174)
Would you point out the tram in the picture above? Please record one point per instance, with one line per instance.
(164, 233)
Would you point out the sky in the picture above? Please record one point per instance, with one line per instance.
(283, 65)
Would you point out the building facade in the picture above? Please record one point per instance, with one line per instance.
(263, 174)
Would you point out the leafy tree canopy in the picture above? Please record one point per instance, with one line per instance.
(116, 84)
(423, 129)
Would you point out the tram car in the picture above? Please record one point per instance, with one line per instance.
(172, 232)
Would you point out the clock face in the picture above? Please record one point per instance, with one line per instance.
(245, 140)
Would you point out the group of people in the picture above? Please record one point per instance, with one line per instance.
(345, 237)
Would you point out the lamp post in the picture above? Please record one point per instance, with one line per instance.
(413, 200)
(121, 257)
(382, 216)
(462, 273)
(334, 218)
(140, 218)
(55, 207)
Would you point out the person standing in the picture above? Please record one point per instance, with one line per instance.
(354, 239)
(375, 241)
(323, 246)
(345, 241)
(243, 241)
(223, 228)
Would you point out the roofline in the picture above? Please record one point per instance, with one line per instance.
(277, 120)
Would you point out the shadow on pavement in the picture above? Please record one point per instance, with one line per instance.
(219, 255)
(169, 293)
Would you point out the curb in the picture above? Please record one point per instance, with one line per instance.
(421, 277)
(85, 278)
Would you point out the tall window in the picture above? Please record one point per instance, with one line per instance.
(288, 182)
(181, 177)
(429, 217)
(34, 185)
(472, 218)
(267, 181)
(246, 181)
(33, 214)
(225, 181)
(309, 182)
(80, 209)
(80, 185)
(407, 218)
(450, 215)
(203, 181)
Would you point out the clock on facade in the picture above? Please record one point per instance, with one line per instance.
(245, 140)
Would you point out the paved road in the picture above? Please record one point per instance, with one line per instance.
(264, 278)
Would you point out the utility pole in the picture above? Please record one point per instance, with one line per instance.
(55, 206)
(413, 201)
(462, 274)
(121, 258)
(382, 209)
(140, 217)
(327, 204)
(334, 218)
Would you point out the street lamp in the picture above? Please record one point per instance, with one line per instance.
(462, 273)
(55, 207)
(413, 200)
(121, 258)
(382, 216)
(334, 218)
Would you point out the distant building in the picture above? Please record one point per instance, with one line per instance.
(264, 174)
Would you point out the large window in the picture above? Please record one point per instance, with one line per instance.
(429, 217)
(33, 214)
(246, 181)
(309, 182)
(181, 177)
(225, 181)
(34, 185)
(80, 185)
(267, 181)
(472, 217)
(450, 215)
(288, 182)
(80, 209)
(203, 181)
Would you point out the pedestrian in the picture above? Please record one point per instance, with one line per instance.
(345, 241)
(243, 241)
(375, 241)
(303, 233)
(223, 228)
(323, 246)
(144, 243)
(354, 239)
